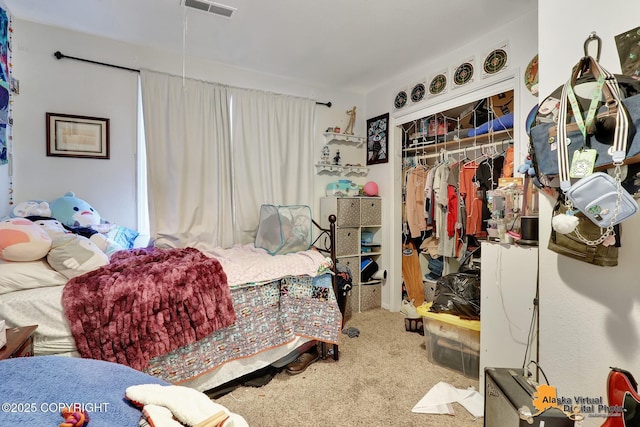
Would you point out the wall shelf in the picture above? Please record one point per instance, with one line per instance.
(353, 156)
(341, 170)
(342, 138)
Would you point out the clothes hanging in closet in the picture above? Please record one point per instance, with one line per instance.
(429, 199)
(445, 175)
(486, 178)
(415, 200)
(472, 196)
(507, 169)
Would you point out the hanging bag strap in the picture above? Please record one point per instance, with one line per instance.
(607, 85)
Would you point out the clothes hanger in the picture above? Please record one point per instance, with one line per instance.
(478, 159)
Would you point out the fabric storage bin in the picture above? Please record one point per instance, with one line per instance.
(370, 297)
(353, 263)
(348, 212)
(452, 342)
(347, 242)
(349, 308)
(370, 211)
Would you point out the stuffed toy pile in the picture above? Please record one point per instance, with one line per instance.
(68, 231)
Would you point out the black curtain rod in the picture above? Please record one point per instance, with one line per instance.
(60, 55)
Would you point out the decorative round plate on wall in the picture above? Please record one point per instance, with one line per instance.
(417, 93)
(495, 61)
(401, 99)
(531, 76)
(438, 84)
(463, 74)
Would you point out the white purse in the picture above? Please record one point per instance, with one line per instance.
(602, 200)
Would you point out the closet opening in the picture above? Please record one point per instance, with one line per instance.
(458, 186)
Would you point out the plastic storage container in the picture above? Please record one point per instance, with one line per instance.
(366, 237)
(452, 342)
(342, 188)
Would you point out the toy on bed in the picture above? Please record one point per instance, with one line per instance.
(80, 217)
(71, 254)
(73, 211)
(38, 209)
(30, 208)
(22, 240)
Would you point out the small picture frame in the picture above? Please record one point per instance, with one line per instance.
(77, 136)
(378, 139)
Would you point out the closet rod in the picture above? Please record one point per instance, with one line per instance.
(462, 150)
(60, 55)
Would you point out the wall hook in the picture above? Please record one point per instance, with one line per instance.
(593, 37)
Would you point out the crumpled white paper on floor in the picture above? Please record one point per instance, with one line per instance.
(438, 400)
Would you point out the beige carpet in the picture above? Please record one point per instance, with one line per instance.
(380, 376)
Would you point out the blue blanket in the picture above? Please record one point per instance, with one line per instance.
(34, 390)
(497, 124)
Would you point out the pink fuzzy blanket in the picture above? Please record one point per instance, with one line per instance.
(145, 303)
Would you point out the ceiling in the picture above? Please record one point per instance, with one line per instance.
(345, 44)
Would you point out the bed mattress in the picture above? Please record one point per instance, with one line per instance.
(277, 313)
(42, 307)
(53, 337)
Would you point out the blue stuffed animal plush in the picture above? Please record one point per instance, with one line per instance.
(527, 167)
(81, 218)
(74, 212)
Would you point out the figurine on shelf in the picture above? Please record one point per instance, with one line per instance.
(352, 121)
(336, 158)
(325, 155)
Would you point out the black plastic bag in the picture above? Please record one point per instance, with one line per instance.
(458, 294)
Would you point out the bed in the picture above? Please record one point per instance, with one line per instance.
(278, 303)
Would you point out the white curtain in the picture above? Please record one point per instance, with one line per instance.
(272, 136)
(215, 154)
(188, 161)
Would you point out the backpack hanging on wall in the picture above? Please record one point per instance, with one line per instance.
(543, 124)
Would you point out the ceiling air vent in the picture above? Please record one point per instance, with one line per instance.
(211, 7)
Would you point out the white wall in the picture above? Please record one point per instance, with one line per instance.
(589, 315)
(521, 36)
(73, 87)
(68, 87)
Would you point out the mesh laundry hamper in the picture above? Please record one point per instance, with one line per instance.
(284, 229)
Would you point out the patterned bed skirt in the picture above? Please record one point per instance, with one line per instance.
(269, 315)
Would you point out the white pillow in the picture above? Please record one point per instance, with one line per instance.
(16, 276)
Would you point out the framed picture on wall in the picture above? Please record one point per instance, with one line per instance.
(77, 136)
(378, 139)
